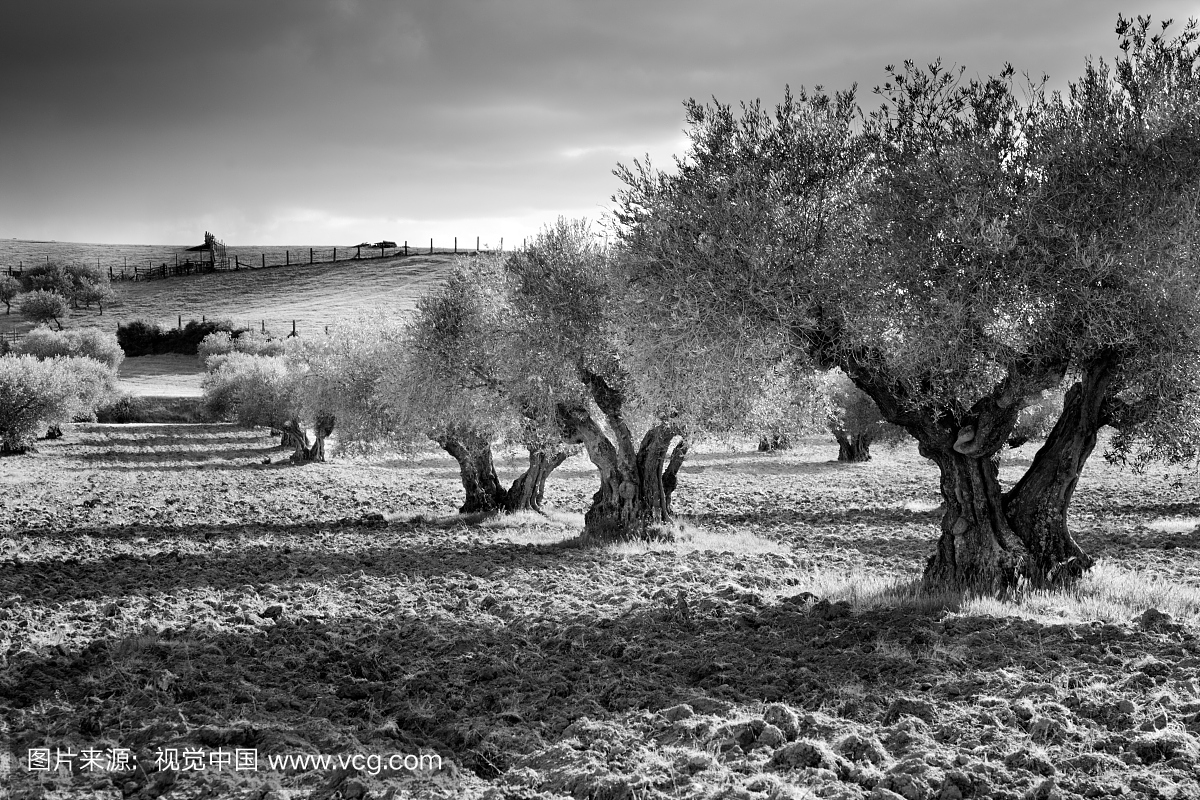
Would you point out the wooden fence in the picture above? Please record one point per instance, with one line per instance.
(323, 256)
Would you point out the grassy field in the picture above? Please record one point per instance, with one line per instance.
(313, 296)
(181, 587)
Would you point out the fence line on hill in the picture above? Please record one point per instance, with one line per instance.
(323, 256)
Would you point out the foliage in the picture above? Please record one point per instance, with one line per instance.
(79, 284)
(254, 390)
(143, 338)
(123, 409)
(222, 342)
(41, 306)
(43, 342)
(36, 393)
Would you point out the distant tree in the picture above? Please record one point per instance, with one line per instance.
(1036, 420)
(965, 252)
(43, 342)
(41, 306)
(854, 419)
(80, 284)
(10, 287)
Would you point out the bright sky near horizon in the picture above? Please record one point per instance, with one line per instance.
(335, 121)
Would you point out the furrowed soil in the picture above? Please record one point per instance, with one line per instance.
(163, 589)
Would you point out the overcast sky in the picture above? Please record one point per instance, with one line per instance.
(331, 122)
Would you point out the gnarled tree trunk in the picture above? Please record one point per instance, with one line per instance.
(634, 500)
(474, 456)
(1037, 506)
(774, 441)
(852, 448)
(322, 430)
(527, 491)
(977, 549)
(296, 438)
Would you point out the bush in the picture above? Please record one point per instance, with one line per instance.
(36, 394)
(253, 390)
(123, 409)
(142, 338)
(41, 306)
(221, 343)
(42, 342)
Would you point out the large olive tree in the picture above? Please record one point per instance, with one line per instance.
(956, 253)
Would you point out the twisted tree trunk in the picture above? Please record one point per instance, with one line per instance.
(322, 431)
(634, 499)
(296, 438)
(1037, 506)
(852, 448)
(477, 471)
(774, 441)
(527, 491)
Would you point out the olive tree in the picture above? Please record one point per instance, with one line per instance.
(10, 287)
(454, 383)
(37, 394)
(582, 322)
(958, 254)
(41, 307)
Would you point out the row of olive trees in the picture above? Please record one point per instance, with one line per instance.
(51, 378)
(960, 254)
(956, 253)
(45, 292)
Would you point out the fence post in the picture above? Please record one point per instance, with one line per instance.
(264, 258)
(237, 263)
(430, 245)
(181, 322)
(293, 327)
(455, 245)
(335, 254)
(501, 244)
(476, 245)
(287, 257)
(358, 252)
(406, 247)
(310, 255)
(264, 326)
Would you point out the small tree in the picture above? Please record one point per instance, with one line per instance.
(260, 390)
(854, 419)
(41, 307)
(454, 382)
(36, 394)
(10, 287)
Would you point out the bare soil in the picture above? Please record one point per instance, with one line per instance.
(163, 587)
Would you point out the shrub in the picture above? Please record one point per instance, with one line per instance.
(123, 409)
(218, 344)
(35, 394)
(142, 338)
(42, 342)
(41, 307)
(253, 390)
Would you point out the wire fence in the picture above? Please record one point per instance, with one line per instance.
(183, 263)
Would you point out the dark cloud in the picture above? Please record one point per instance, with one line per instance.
(120, 116)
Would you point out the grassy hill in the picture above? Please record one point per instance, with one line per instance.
(312, 295)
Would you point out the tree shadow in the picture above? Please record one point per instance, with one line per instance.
(484, 684)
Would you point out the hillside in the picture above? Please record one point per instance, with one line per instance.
(314, 296)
